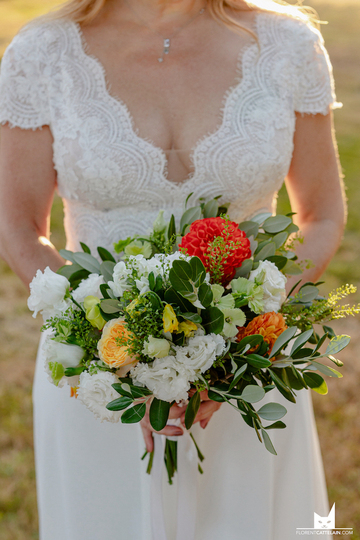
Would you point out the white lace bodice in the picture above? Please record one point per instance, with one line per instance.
(114, 182)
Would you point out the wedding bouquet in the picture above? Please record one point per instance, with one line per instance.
(182, 311)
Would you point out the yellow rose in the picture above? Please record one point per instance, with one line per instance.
(188, 327)
(92, 311)
(171, 324)
(111, 352)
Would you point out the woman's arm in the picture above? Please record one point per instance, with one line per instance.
(316, 193)
(27, 185)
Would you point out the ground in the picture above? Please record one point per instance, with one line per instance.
(337, 413)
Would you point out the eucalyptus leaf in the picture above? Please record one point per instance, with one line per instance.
(250, 228)
(244, 269)
(110, 306)
(69, 269)
(68, 255)
(272, 411)
(88, 262)
(280, 239)
(279, 261)
(189, 216)
(267, 441)
(260, 218)
(134, 414)
(252, 393)
(106, 269)
(292, 269)
(266, 251)
(337, 344)
(276, 224)
(307, 293)
(210, 209)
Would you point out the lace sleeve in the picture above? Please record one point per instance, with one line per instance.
(315, 87)
(23, 88)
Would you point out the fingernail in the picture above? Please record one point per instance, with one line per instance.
(178, 432)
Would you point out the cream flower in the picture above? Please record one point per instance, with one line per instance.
(273, 283)
(156, 348)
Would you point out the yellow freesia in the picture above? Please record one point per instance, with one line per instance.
(188, 327)
(171, 324)
(92, 312)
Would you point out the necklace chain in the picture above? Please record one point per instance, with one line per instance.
(166, 40)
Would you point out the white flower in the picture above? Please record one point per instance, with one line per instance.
(88, 287)
(273, 283)
(200, 353)
(156, 348)
(47, 294)
(142, 285)
(58, 357)
(95, 391)
(120, 279)
(164, 377)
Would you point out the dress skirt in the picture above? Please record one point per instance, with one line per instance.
(92, 485)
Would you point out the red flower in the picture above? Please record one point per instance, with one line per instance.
(220, 245)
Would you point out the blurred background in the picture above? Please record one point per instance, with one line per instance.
(337, 414)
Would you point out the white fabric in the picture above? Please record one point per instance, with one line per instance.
(91, 482)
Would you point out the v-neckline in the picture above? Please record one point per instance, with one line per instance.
(240, 80)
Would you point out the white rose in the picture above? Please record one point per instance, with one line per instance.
(164, 377)
(120, 279)
(60, 353)
(200, 353)
(273, 283)
(88, 287)
(156, 348)
(47, 294)
(95, 392)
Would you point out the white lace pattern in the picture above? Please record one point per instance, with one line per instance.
(114, 182)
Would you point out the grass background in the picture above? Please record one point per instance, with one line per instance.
(337, 414)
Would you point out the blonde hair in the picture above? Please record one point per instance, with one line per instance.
(84, 11)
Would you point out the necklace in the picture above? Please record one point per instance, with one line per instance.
(166, 40)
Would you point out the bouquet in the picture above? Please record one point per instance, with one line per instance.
(198, 308)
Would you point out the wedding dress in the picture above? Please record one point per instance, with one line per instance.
(90, 480)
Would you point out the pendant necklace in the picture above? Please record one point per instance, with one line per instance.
(166, 40)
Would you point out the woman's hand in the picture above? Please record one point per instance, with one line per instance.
(176, 411)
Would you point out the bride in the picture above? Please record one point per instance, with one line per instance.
(126, 107)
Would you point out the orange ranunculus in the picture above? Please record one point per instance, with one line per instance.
(111, 352)
(270, 326)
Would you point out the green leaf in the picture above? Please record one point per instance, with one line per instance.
(173, 297)
(300, 341)
(276, 425)
(159, 413)
(68, 255)
(189, 216)
(244, 269)
(280, 239)
(272, 411)
(134, 414)
(210, 209)
(69, 269)
(194, 317)
(337, 344)
(250, 228)
(260, 218)
(123, 389)
(182, 269)
(213, 320)
(283, 340)
(104, 288)
(267, 441)
(192, 409)
(88, 262)
(214, 396)
(237, 376)
(292, 228)
(106, 269)
(267, 251)
(205, 295)
(252, 393)
(76, 278)
(282, 387)
(121, 244)
(198, 271)
(253, 341)
(105, 255)
(279, 261)
(258, 361)
(85, 248)
(329, 331)
(307, 293)
(292, 269)
(180, 285)
(171, 230)
(119, 404)
(316, 382)
(155, 300)
(325, 370)
(71, 371)
(110, 306)
(336, 361)
(276, 224)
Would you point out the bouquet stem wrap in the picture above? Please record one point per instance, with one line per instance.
(187, 493)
